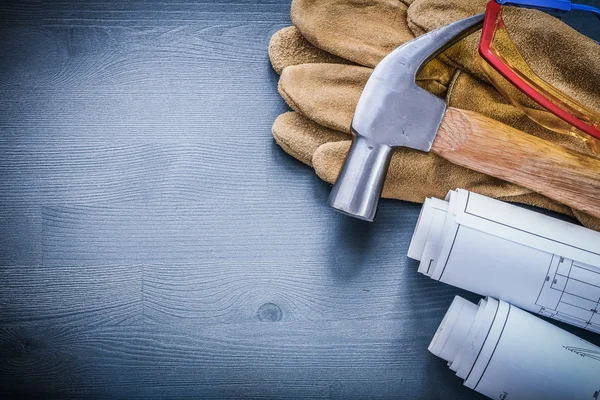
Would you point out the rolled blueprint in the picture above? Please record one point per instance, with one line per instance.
(536, 262)
(506, 353)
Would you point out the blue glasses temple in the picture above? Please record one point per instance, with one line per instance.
(552, 5)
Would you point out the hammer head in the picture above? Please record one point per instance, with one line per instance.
(393, 111)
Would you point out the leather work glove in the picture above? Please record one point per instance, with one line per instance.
(328, 55)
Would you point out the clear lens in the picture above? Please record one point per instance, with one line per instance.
(505, 50)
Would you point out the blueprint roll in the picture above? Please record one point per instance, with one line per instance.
(506, 353)
(531, 260)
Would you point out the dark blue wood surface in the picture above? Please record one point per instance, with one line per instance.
(156, 242)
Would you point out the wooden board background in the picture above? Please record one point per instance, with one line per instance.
(156, 242)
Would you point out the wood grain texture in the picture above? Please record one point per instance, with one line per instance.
(99, 172)
(71, 296)
(269, 291)
(80, 58)
(156, 243)
(258, 361)
(174, 232)
(21, 234)
(482, 144)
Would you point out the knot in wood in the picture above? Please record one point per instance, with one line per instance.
(269, 312)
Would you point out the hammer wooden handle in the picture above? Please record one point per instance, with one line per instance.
(488, 146)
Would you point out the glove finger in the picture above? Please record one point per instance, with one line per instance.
(288, 47)
(300, 137)
(559, 54)
(325, 93)
(328, 93)
(362, 31)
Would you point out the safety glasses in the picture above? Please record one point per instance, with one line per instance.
(508, 71)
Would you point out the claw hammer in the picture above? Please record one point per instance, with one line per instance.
(393, 111)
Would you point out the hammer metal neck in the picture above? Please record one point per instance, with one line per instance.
(358, 188)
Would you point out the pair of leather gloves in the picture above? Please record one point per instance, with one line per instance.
(326, 58)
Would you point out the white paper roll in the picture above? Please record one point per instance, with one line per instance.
(506, 353)
(454, 328)
(528, 259)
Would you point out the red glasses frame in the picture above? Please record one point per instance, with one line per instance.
(492, 14)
